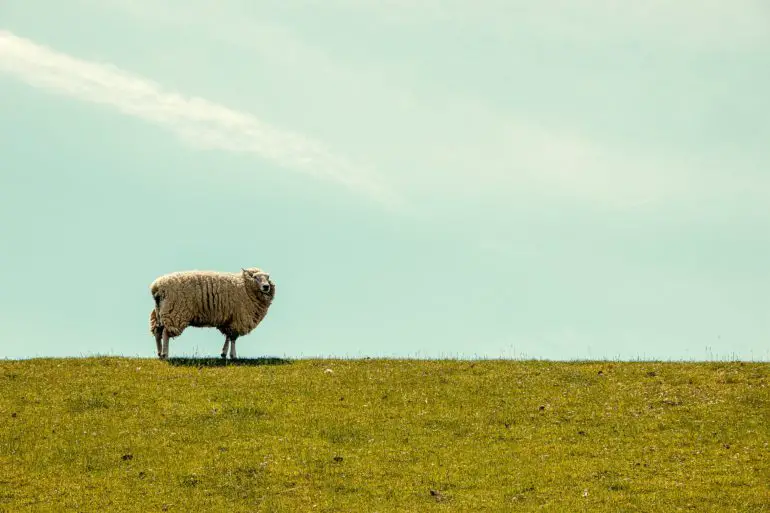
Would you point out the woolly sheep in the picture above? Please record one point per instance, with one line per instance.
(233, 303)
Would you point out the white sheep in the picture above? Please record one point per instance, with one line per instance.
(233, 303)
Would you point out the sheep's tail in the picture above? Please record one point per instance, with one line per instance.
(155, 322)
(157, 295)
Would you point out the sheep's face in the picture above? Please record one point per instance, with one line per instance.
(259, 281)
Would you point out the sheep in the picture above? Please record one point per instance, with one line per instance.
(233, 303)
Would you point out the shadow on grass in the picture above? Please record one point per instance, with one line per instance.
(221, 362)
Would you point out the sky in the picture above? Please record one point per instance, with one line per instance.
(460, 179)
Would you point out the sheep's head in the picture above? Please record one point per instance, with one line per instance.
(259, 281)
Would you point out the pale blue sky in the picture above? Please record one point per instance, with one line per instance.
(582, 179)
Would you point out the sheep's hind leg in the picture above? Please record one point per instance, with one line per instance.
(232, 348)
(164, 350)
(224, 347)
(158, 334)
(156, 328)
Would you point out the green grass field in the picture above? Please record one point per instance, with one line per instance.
(119, 434)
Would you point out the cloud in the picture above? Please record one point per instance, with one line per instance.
(197, 121)
(440, 140)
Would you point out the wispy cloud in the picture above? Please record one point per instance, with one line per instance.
(197, 121)
(450, 141)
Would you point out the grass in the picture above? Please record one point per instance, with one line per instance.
(119, 434)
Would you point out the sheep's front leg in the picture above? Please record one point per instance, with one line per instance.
(224, 347)
(164, 350)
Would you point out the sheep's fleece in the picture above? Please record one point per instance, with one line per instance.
(234, 303)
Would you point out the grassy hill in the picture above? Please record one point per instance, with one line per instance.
(119, 434)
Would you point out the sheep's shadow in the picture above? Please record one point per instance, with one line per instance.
(221, 362)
